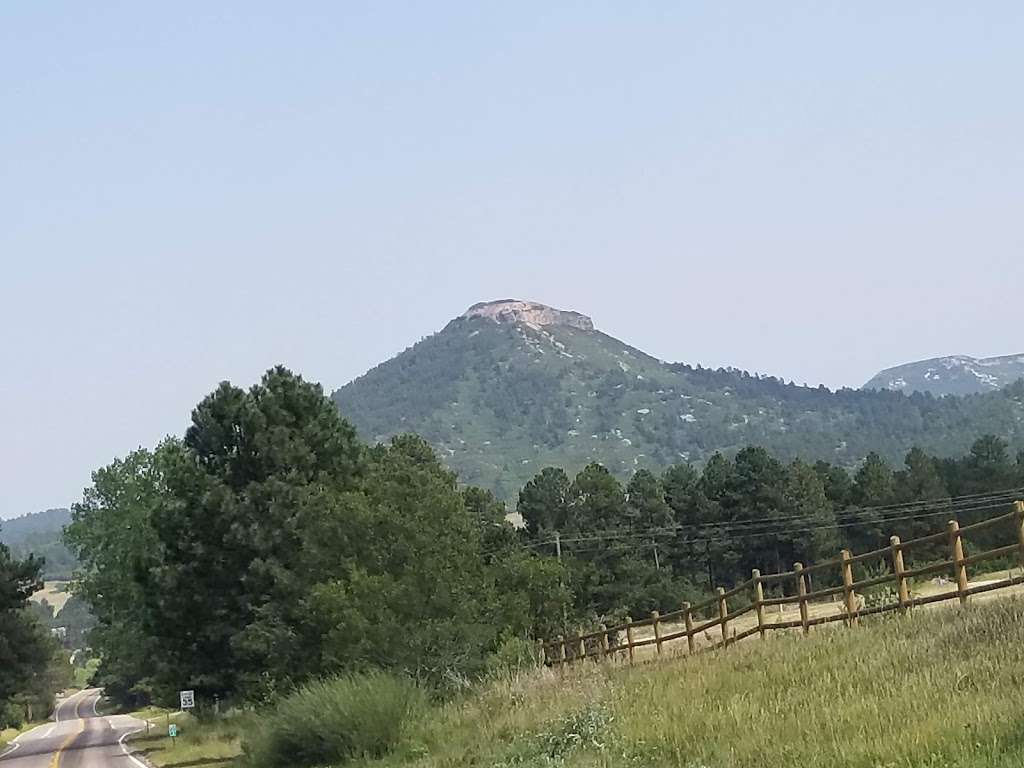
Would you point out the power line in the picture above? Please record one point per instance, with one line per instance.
(758, 534)
(937, 505)
(848, 518)
(950, 504)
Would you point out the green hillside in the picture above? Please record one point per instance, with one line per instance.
(40, 534)
(502, 395)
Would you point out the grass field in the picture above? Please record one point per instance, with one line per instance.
(938, 688)
(55, 593)
(214, 744)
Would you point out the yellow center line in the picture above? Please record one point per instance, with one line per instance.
(55, 760)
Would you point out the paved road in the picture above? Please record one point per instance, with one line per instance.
(78, 737)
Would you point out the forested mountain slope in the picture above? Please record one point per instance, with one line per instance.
(956, 375)
(39, 533)
(510, 387)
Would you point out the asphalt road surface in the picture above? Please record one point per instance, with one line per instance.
(78, 737)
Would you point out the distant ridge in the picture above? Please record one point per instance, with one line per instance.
(953, 375)
(40, 534)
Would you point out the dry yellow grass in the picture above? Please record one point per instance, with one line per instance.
(55, 593)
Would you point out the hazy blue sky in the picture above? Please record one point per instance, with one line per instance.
(196, 191)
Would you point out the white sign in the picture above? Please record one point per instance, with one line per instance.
(188, 699)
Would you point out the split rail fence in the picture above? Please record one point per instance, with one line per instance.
(622, 641)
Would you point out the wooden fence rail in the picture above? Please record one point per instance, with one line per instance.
(615, 641)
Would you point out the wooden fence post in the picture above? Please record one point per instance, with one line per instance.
(1019, 506)
(723, 614)
(959, 568)
(604, 641)
(656, 623)
(849, 599)
(691, 642)
(561, 652)
(581, 645)
(542, 653)
(629, 638)
(801, 590)
(898, 569)
(755, 576)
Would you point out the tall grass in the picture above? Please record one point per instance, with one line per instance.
(333, 721)
(941, 687)
(212, 742)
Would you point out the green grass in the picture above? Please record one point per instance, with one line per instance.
(214, 744)
(940, 688)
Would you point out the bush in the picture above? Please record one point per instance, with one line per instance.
(335, 720)
(513, 656)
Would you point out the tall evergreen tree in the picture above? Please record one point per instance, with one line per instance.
(681, 494)
(647, 511)
(226, 599)
(920, 481)
(837, 483)
(873, 486)
(715, 514)
(813, 535)
(544, 503)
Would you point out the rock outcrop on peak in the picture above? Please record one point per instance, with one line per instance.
(529, 313)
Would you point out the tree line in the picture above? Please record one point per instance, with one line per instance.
(657, 540)
(269, 546)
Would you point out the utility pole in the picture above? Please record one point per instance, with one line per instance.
(561, 581)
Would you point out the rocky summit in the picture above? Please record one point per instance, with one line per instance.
(528, 313)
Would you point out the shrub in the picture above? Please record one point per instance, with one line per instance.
(513, 656)
(332, 721)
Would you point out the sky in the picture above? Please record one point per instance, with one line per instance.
(192, 192)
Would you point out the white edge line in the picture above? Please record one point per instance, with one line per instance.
(11, 749)
(16, 742)
(127, 752)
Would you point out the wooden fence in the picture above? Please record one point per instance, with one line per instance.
(623, 641)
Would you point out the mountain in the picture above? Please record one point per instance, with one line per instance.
(40, 533)
(510, 387)
(956, 375)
